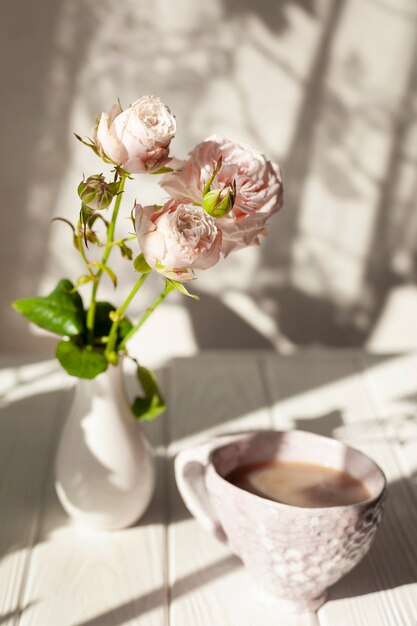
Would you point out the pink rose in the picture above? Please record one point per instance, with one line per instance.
(258, 186)
(177, 238)
(138, 138)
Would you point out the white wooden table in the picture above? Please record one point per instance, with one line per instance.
(167, 570)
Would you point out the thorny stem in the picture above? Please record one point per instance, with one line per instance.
(91, 314)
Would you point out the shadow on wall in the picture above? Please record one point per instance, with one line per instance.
(38, 89)
(272, 15)
(220, 328)
(12, 616)
(318, 316)
(57, 38)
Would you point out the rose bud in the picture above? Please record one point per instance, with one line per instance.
(95, 193)
(177, 238)
(219, 202)
(138, 138)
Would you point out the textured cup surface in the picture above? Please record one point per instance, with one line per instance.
(295, 553)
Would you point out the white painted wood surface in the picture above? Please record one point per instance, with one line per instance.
(167, 570)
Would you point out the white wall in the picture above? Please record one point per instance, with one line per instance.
(328, 89)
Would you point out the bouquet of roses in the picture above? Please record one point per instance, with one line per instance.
(220, 200)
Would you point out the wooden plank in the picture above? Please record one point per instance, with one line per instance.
(329, 394)
(392, 387)
(208, 397)
(88, 578)
(212, 395)
(27, 431)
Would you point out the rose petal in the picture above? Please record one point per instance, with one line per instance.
(109, 144)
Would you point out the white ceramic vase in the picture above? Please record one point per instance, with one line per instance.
(105, 472)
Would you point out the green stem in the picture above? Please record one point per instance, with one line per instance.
(91, 314)
(111, 343)
(148, 312)
(82, 251)
(118, 241)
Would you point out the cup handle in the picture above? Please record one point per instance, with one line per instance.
(190, 469)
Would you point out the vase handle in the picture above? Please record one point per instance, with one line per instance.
(190, 469)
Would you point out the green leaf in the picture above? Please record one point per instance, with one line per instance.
(92, 237)
(90, 144)
(118, 170)
(163, 170)
(74, 234)
(95, 217)
(125, 327)
(180, 287)
(114, 187)
(125, 250)
(132, 218)
(85, 214)
(148, 406)
(207, 186)
(140, 265)
(84, 279)
(60, 312)
(102, 322)
(107, 270)
(80, 361)
(62, 219)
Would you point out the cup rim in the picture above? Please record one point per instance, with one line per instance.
(276, 504)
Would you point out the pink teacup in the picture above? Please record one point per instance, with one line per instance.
(295, 553)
